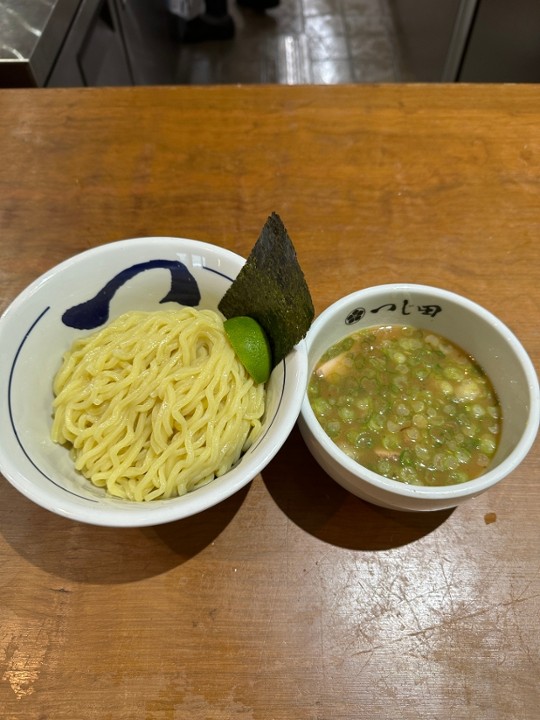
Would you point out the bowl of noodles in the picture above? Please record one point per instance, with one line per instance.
(122, 402)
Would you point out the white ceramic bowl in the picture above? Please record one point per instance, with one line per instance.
(132, 274)
(468, 325)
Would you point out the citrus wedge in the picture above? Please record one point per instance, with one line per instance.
(251, 345)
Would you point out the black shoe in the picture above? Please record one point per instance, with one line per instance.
(205, 28)
(259, 5)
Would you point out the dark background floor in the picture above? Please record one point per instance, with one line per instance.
(347, 41)
(301, 41)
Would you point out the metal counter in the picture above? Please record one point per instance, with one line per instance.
(31, 35)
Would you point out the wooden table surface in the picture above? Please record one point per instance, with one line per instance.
(292, 600)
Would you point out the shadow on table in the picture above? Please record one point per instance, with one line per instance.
(321, 507)
(85, 553)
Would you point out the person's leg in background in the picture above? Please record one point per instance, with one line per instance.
(201, 20)
(260, 5)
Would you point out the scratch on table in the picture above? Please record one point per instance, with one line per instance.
(177, 698)
(448, 623)
(25, 660)
(525, 642)
(527, 586)
(28, 641)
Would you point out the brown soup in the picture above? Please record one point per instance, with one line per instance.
(407, 404)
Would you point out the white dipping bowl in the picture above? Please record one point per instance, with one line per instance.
(33, 338)
(466, 324)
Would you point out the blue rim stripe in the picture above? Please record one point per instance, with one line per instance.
(10, 410)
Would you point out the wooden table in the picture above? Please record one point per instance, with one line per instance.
(293, 600)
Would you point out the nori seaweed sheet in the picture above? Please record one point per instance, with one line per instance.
(272, 289)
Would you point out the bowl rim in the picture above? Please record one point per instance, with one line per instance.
(104, 248)
(441, 492)
(172, 509)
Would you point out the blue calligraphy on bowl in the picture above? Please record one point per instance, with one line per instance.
(94, 312)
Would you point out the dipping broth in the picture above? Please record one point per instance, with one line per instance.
(407, 404)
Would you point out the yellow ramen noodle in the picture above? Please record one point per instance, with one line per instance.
(156, 404)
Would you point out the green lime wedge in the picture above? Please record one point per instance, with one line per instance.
(251, 345)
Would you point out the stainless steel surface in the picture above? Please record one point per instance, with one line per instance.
(460, 35)
(31, 35)
(21, 26)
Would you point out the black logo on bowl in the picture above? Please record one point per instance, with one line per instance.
(406, 308)
(354, 316)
